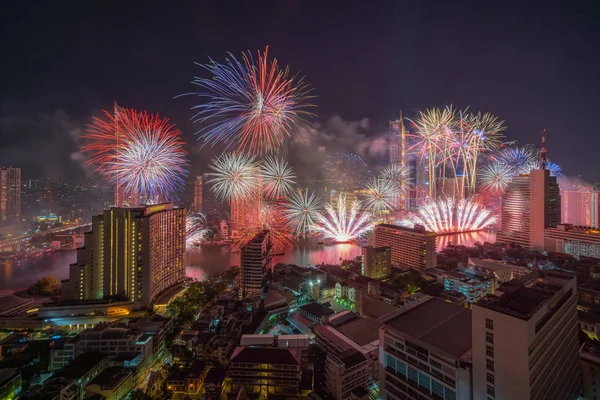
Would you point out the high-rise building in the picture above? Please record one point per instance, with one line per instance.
(398, 147)
(525, 340)
(410, 247)
(198, 194)
(122, 198)
(580, 207)
(425, 353)
(376, 261)
(10, 195)
(255, 260)
(530, 204)
(131, 252)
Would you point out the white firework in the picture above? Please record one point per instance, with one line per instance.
(342, 225)
(302, 212)
(277, 177)
(450, 216)
(381, 194)
(235, 176)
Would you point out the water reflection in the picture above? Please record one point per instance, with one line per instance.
(20, 275)
(212, 260)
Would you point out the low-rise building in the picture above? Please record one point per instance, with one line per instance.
(187, 381)
(70, 382)
(502, 271)
(315, 311)
(577, 241)
(376, 261)
(265, 371)
(10, 383)
(213, 382)
(425, 353)
(351, 344)
(589, 356)
(471, 283)
(114, 383)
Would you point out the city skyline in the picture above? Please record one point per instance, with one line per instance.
(395, 74)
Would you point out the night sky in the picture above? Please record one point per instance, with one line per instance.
(534, 66)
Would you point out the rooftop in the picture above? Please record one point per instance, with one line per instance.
(111, 377)
(415, 229)
(352, 358)
(361, 330)
(376, 308)
(442, 325)
(215, 375)
(81, 365)
(523, 301)
(265, 355)
(317, 309)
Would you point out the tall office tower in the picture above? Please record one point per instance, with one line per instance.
(529, 205)
(376, 261)
(10, 195)
(425, 352)
(410, 247)
(525, 340)
(255, 260)
(580, 207)
(398, 149)
(198, 194)
(132, 252)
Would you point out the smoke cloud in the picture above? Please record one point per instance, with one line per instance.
(43, 145)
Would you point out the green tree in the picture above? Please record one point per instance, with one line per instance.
(139, 394)
(47, 286)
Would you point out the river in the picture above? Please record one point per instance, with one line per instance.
(209, 261)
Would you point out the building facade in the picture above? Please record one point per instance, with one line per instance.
(566, 238)
(580, 207)
(376, 261)
(530, 204)
(132, 252)
(255, 260)
(525, 340)
(424, 353)
(409, 247)
(10, 195)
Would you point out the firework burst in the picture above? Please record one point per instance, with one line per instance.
(341, 225)
(302, 212)
(277, 177)
(381, 195)
(494, 178)
(519, 160)
(270, 218)
(451, 216)
(235, 176)
(195, 231)
(253, 104)
(140, 152)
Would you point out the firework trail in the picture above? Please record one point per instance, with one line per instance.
(277, 177)
(450, 142)
(302, 212)
(235, 176)
(141, 152)
(381, 195)
(450, 216)
(195, 231)
(253, 104)
(348, 169)
(340, 225)
(495, 177)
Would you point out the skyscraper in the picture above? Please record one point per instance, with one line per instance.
(525, 340)
(10, 195)
(580, 207)
(529, 205)
(198, 194)
(410, 247)
(255, 260)
(131, 252)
